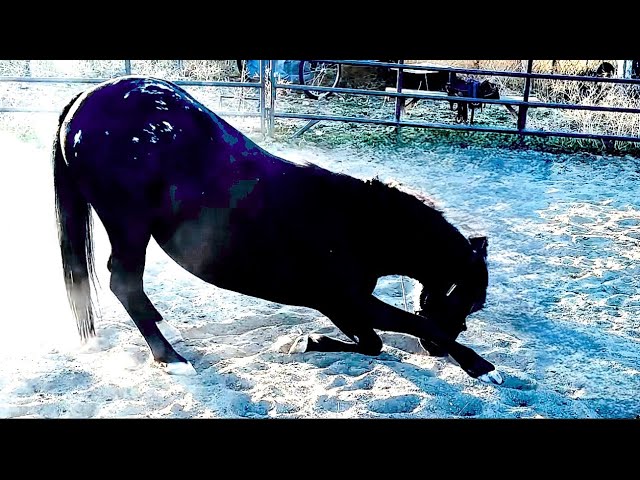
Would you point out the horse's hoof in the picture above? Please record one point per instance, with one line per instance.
(491, 377)
(181, 368)
(169, 332)
(300, 344)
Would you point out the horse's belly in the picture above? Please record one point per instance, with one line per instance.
(201, 245)
(248, 276)
(238, 258)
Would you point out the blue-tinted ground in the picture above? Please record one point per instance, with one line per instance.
(561, 322)
(564, 251)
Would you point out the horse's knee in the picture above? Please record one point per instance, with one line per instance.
(123, 284)
(370, 344)
(119, 286)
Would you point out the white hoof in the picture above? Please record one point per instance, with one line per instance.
(491, 377)
(168, 331)
(300, 344)
(179, 368)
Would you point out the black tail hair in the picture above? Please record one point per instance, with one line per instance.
(75, 235)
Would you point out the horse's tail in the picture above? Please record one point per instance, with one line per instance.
(74, 232)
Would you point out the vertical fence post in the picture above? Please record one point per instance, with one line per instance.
(522, 111)
(127, 67)
(273, 64)
(263, 105)
(399, 100)
(270, 96)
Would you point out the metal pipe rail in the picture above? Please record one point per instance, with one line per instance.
(268, 85)
(446, 126)
(524, 104)
(494, 73)
(426, 96)
(89, 80)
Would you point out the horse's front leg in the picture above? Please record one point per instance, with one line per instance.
(386, 317)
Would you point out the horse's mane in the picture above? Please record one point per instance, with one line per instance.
(401, 198)
(423, 197)
(388, 196)
(398, 190)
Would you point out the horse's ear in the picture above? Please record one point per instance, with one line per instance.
(479, 244)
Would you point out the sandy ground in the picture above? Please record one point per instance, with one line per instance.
(561, 322)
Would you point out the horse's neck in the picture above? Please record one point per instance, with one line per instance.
(444, 258)
(447, 264)
(429, 248)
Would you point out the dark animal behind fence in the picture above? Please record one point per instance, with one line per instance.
(152, 161)
(468, 87)
(592, 90)
(429, 81)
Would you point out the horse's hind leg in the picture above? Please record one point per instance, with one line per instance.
(128, 251)
(367, 342)
(350, 322)
(169, 332)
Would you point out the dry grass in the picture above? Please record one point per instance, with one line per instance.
(35, 127)
(210, 70)
(231, 99)
(572, 92)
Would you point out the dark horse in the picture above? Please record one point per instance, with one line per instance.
(153, 161)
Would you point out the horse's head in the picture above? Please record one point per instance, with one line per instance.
(450, 303)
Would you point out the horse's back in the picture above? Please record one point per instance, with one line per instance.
(149, 145)
(144, 151)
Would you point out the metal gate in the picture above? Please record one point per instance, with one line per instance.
(268, 85)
